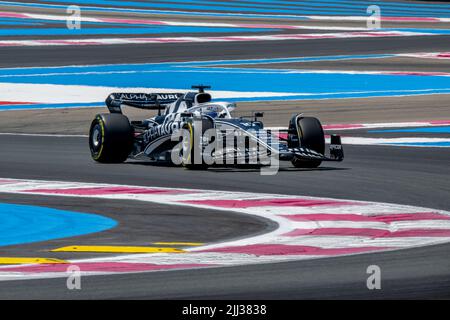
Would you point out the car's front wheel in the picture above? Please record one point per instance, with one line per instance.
(193, 144)
(110, 138)
(311, 136)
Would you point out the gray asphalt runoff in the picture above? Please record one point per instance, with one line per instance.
(402, 175)
(136, 53)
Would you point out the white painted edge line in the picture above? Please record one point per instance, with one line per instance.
(395, 142)
(187, 23)
(57, 93)
(262, 15)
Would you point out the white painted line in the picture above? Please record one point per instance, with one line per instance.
(391, 19)
(56, 94)
(427, 55)
(51, 93)
(413, 124)
(413, 141)
(182, 23)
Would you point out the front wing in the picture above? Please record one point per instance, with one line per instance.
(280, 150)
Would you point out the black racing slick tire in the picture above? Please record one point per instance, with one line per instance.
(311, 136)
(110, 138)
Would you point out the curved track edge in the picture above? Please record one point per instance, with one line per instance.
(308, 228)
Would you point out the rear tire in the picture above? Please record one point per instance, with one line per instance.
(110, 138)
(311, 136)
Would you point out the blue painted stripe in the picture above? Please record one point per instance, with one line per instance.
(21, 224)
(445, 129)
(286, 60)
(354, 4)
(301, 7)
(273, 6)
(182, 75)
(342, 95)
(422, 144)
(288, 97)
(298, 8)
(155, 12)
(63, 31)
(10, 23)
(19, 22)
(238, 79)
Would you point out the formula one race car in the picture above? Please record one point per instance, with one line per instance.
(197, 133)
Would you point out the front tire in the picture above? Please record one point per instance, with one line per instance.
(110, 138)
(311, 136)
(190, 150)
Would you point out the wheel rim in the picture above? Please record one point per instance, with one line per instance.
(96, 138)
(186, 147)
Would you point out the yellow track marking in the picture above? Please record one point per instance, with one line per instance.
(179, 243)
(24, 260)
(117, 249)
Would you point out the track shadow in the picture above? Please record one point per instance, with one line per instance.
(281, 169)
(236, 169)
(151, 164)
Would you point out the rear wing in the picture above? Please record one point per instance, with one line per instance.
(149, 101)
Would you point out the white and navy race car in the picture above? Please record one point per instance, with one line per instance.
(195, 132)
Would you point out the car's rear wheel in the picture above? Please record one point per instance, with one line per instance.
(110, 138)
(311, 136)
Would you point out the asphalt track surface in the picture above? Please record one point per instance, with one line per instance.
(413, 178)
(147, 53)
(410, 176)
(106, 54)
